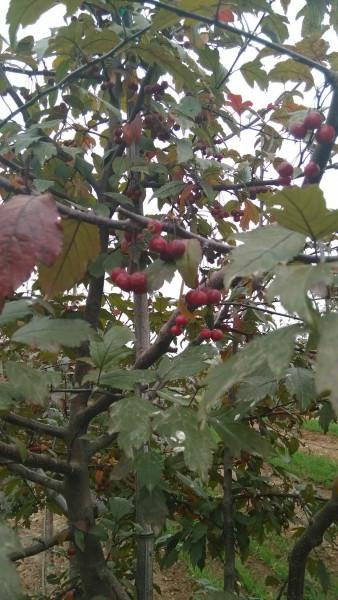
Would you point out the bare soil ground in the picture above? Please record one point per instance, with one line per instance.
(176, 582)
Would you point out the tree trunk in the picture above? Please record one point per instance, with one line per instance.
(312, 537)
(228, 525)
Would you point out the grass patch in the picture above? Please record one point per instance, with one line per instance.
(313, 425)
(319, 469)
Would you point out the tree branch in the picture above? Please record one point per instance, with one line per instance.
(35, 476)
(52, 430)
(72, 75)
(312, 537)
(322, 152)
(41, 461)
(42, 545)
(312, 64)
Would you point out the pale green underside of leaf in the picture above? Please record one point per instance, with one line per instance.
(262, 250)
(303, 210)
(326, 367)
(51, 334)
(292, 284)
(198, 441)
(108, 351)
(130, 418)
(275, 349)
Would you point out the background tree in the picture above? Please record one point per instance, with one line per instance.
(143, 411)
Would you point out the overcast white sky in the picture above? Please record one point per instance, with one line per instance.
(54, 17)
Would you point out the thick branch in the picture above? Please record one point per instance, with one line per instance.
(312, 537)
(322, 152)
(41, 545)
(36, 477)
(25, 423)
(40, 461)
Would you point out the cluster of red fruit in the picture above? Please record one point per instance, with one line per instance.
(325, 134)
(168, 251)
(211, 334)
(219, 212)
(203, 297)
(180, 322)
(206, 334)
(157, 90)
(313, 121)
(129, 282)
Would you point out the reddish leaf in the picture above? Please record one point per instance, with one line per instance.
(30, 233)
(236, 102)
(226, 16)
(132, 131)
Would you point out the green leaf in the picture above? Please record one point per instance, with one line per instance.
(198, 441)
(120, 507)
(186, 111)
(159, 272)
(254, 73)
(313, 13)
(300, 383)
(149, 468)
(50, 334)
(290, 70)
(326, 367)
(28, 384)
(256, 387)
(188, 264)
(187, 364)
(303, 210)
(184, 151)
(173, 188)
(81, 245)
(107, 351)
(292, 284)
(10, 581)
(239, 436)
(15, 310)
(25, 12)
(124, 379)
(7, 397)
(130, 418)
(274, 349)
(262, 250)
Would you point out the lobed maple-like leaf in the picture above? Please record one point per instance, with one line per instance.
(29, 233)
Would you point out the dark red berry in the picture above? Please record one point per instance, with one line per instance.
(285, 169)
(312, 169)
(298, 130)
(123, 282)
(196, 298)
(115, 273)
(181, 320)
(216, 335)
(313, 120)
(138, 282)
(326, 134)
(154, 227)
(158, 244)
(176, 330)
(214, 296)
(175, 249)
(205, 333)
